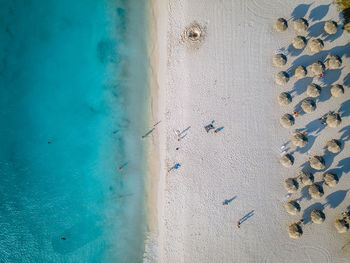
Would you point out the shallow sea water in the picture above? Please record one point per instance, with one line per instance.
(72, 110)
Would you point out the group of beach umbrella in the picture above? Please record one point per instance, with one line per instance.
(308, 105)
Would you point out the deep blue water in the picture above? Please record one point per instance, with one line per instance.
(73, 96)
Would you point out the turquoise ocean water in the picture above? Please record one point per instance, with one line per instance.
(73, 82)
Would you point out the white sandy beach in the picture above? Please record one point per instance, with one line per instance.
(230, 79)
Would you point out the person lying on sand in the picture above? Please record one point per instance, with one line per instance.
(209, 127)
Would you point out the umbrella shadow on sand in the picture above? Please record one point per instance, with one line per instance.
(293, 51)
(307, 211)
(344, 109)
(300, 11)
(346, 80)
(329, 158)
(300, 85)
(344, 165)
(336, 198)
(316, 29)
(345, 133)
(319, 12)
(314, 126)
(304, 194)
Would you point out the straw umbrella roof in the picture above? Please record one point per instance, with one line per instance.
(313, 90)
(333, 62)
(295, 231)
(281, 24)
(287, 160)
(300, 72)
(341, 225)
(301, 25)
(308, 105)
(281, 78)
(317, 216)
(316, 191)
(333, 120)
(279, 60)
(292, 207)
(315, 45)
(306, 178)
(284, 98)
(334, 146)
(291, 185)
(317, 162)
(337, 90)
(330, 27)
(287, 120)
(317, 68)
(299, 139)
(330, 179)
(299, 42)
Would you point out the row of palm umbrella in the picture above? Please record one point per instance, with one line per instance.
(312, 90)
(307, 179)
(317, 217)
(316, 68)
(295, 230)
(301, 25)
(333, 119)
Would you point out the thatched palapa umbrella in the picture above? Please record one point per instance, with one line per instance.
(292, 207)
(317, 68)
(291, 185)
(299, 139)
(333, 120)
(306, 178)
(341, 225)
(308, 105)
(331, 27)
(287, 160)
(300, 72)
(281, 24)
(333, 62)
(287, 120)
(337, 90)
(295, 231)
(313, 90)
(279, 60)
(284, 98)
(317, 162)
(301, 25)
(317, 216)
(281, 78)
(299, 42)
(334, 146)
(316, 191)
(315, 45)
(330, 179)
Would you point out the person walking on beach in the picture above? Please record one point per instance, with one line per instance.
(239, 224)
